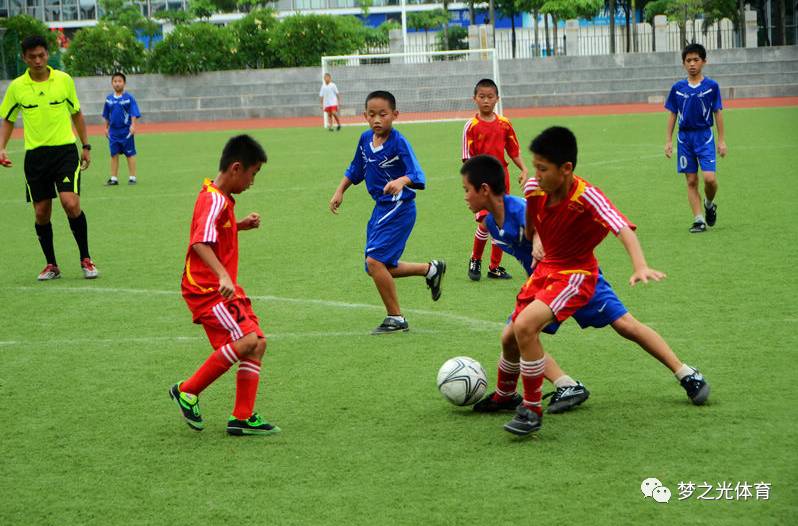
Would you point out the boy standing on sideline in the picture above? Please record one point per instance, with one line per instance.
(330, 99)
(211, 291)
(693, 102)
(491, 134)
(506, 221)
(49, 105)
(571, 217)
(120, 113)
(385, 160)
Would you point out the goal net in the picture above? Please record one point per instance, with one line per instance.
(428, 86)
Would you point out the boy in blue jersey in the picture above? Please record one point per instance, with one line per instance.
(385, 160)
(693, 102)
(120, 113)
(483, 181)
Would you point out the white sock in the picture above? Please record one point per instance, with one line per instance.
(708, 203)
(699, 218)
(113, 178)
(132, 178)
(686, 370)
(564, 381)
(432, 271)
(397, 318)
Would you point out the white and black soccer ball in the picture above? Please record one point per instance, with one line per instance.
(462, 381)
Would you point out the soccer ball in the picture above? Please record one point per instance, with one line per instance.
(462, 381)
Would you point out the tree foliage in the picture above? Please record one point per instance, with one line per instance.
(19, 27)
(194, 48)
(301, 40)
(104, 49)
(256, 34)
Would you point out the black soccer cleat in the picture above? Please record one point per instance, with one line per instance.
(112, 182)
(566, 398)
(390, 325)
(254, 426)
(498, 273)
(474, 269)
(189, 407)
(524, 422)
(434, 283)
(711, 214)
(489, 405)
(698, 227)
(697, 387)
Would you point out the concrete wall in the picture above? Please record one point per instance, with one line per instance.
(446, 85)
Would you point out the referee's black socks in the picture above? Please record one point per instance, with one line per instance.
(45, 235)
(80, 230)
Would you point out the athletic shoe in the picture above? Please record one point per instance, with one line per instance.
(434, 283)
(132, 181)
(89, 270)
(498, 273)
(566, 398)
(189, 407)
(338, 128)
(112, 182)
(698, 227)
(697, 387)
(489, 405)
(524, 422)
(49, 272)
(253, 426)
(390, 325)
(711, 214)
(332, 129)
(474, 269)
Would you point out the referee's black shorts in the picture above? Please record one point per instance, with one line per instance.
(50, 170)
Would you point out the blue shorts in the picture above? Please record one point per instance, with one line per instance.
(388, 231)
(602, 309)
(125, 145)
(695, 147)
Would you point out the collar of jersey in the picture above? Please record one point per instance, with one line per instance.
(29, 80)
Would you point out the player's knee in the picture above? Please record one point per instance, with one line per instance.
(246, 346)
(526, 331)
(627, 326)
(692, 180)
(372, 266)
(710, 179)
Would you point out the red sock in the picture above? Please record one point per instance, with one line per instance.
(480, 239)
(507, 383)
(495, 256)
(247, 380)
(532, 377)
(215, 366)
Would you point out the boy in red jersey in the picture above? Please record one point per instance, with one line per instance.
(491, 134)
(210, 288)
(571, 217)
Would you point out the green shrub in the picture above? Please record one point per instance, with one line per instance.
(256, 37)
(194, 48)
(17, 28)
(302, 40)
(104, 49)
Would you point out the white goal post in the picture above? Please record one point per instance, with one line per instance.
(429, 86)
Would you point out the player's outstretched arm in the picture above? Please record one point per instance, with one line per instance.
(642, 272)
(249, 222)
(338, 196)
(205, 252)
(721, 133)
(669, 134)
(5, 135)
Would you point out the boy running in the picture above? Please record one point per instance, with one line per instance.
(506, 221)
(491, 134)
(385, 160)
(120, 113)
(330, 100)
(693, 102)
(210, 288)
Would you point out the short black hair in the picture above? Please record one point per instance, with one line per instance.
(486, 83)
(556, 144)
(119, 74)
(384, 95)
(485, 169)
(243, 149)
(33, 41)
(694, 48)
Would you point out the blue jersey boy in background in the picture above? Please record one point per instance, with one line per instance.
(120, 113)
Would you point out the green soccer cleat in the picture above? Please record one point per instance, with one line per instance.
(189, 407)
(252, 426)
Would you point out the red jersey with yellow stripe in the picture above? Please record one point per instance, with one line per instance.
(214, 224)
(571, 229)
(491, 138)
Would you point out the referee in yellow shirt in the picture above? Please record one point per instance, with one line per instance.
(49, 106)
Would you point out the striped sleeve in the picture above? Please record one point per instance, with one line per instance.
(206, 216)
(604, 211)
(532, 187)
(466, 143)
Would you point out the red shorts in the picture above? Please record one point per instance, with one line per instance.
(228, 321)
(564, 291)
(331, 109)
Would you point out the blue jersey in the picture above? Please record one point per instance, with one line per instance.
(694, 105)
(382, 164)
(118, 111)
(511, 237)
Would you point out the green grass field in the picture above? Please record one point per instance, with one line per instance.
(88, 434)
